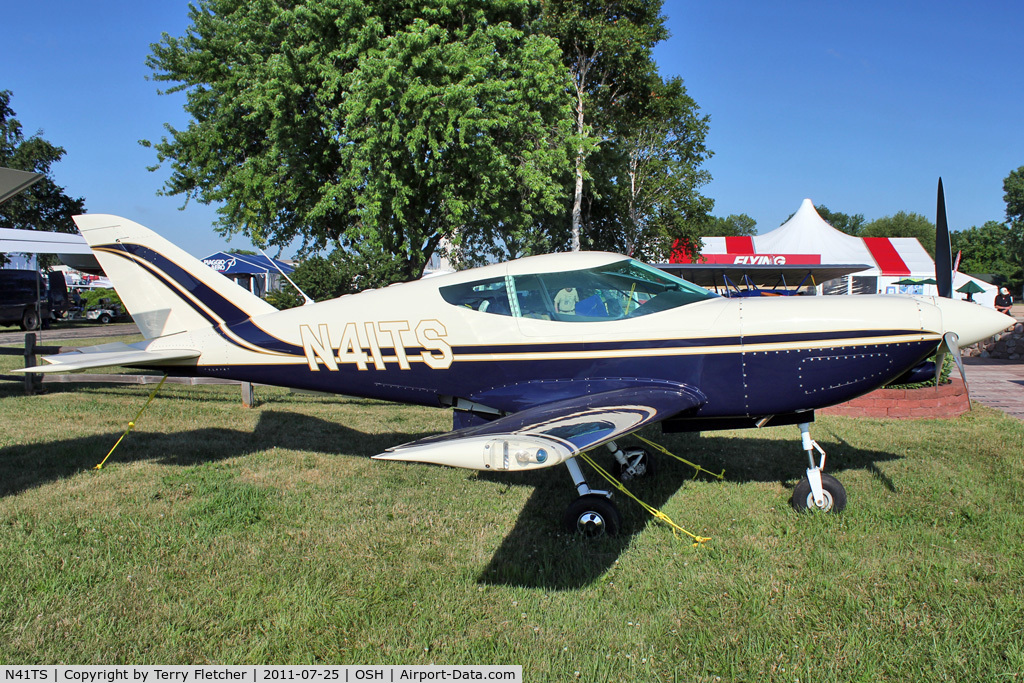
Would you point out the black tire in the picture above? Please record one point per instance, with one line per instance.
(835, 495)
(30, 320)
(592, 515)
(105, 318)
(631, 453)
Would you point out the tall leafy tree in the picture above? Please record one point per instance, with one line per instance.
(648, 178)
(391, 125)
(45, 205)
(986, 249)
(1013, 187)
(606, 45)
(850, 224)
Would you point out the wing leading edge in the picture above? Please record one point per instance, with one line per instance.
(550, 434)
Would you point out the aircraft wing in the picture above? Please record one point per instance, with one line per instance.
(104, 355)
(552, 433)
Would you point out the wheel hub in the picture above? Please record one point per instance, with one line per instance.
(826, 503)
(590, 524)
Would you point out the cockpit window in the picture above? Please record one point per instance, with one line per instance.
(626, 289)
(486, 296)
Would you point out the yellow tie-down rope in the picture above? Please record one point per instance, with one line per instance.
(132, 423)
(695, 466)
(656, 513)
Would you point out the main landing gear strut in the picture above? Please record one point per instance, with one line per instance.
(593, 513)
(817, 490)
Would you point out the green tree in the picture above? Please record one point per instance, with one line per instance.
(985, 249)
(664, 152)
(645, 190)
(903, 224)
(1013, 187)
(851, 225)
(340, 272)
(606, 45)
(44, 206)
(733, 225)
(390, 126)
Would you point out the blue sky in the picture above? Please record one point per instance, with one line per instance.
(860, 106)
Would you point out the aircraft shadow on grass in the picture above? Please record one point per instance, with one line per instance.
(28, 466)
(535, 552)
(530, 555)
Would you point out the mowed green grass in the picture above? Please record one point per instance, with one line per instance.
(219, 534)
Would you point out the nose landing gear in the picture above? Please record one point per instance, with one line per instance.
(817, 490)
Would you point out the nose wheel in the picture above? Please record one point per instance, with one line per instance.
(817, 490)
(833, 496)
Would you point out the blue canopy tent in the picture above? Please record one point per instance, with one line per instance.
(257, 273)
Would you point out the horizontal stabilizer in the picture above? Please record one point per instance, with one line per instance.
(106, 355)
(552, 433)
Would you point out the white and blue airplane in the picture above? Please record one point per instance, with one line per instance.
(541, 358)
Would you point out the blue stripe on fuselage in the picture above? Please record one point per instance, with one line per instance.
(735, 383)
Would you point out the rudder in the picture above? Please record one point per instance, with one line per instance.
(166, 290)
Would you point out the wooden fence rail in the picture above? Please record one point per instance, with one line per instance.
(34, 381)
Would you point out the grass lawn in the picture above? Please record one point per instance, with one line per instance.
(219, 534)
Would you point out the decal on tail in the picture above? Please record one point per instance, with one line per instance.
(166, 289)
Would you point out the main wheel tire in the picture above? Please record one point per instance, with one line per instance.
(592, 516)
(832, 491)
(631, 454)
(30, 320)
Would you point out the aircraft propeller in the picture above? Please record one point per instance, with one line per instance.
(943, 258)
(944, 280)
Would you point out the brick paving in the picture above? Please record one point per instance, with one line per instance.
(997, 384)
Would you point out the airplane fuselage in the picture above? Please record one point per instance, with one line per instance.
(542, 358)
(408, 343)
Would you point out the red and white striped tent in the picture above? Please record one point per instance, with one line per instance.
(806, 239)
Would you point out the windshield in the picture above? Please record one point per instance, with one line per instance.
(626, 289)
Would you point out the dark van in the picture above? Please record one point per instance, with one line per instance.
(23, 299)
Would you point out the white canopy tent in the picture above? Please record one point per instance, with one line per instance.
(807, 238)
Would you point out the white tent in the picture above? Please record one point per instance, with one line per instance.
(808, 233)
(807, 238)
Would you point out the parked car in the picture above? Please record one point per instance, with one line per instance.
(23, 299)
(104, 312)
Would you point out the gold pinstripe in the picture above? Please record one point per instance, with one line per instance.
(185, 294)
(654, 353)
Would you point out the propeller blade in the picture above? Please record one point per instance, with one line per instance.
(943, 258)
(951, 343)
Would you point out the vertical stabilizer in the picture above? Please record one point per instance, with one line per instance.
(166, 289)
